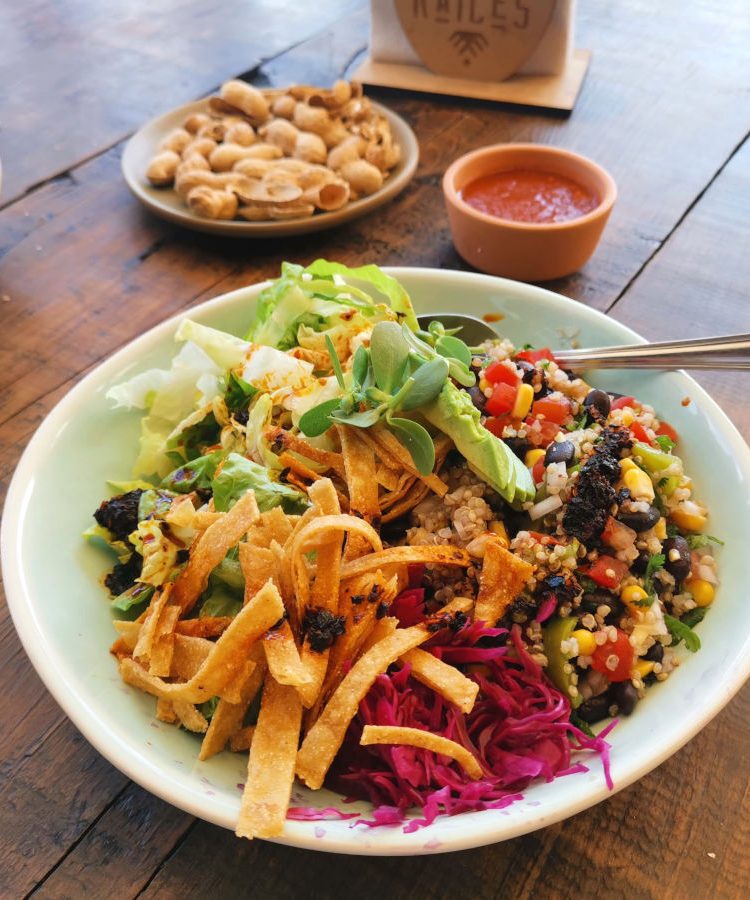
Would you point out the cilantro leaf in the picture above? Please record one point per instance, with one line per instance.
(680, 631)
(695, 541)
(694, 616)
(665, 442)
(655, 562)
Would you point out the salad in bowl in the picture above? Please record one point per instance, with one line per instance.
(374, 558)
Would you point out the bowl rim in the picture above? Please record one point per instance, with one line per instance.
(602, 209)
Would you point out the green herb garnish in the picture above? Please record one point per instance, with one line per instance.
(681, 631)
(665, 442)
(696, 541)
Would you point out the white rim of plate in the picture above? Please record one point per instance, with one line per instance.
(382, 841)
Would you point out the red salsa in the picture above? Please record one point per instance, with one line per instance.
(527, 196)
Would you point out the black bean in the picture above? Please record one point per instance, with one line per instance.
(655, 653)
(590, 602)
(640, 563)
(625, 696)
(594, 709)
(528, 370)
(518, 445)
(559, 451)
(597, 404)
(616, 611)
(639, 520)
(478, 398)
(678, 568)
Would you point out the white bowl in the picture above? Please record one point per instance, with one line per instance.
(63, 619)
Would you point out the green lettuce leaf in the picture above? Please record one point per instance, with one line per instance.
(239, 474)
(196, 474)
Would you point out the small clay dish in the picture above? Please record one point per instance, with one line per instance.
(526, 251)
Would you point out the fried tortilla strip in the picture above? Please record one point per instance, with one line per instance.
(270, 767)
(189, 655)
(273, 525)
(148, 632)
(390, 444)
(414, 496)
(442, 678)
(294, 464)
(282, 576)
(437, 554)
(386, 477)
(242, 739)
(165, 711)
(281, 439)
(426, 740)
(502, 579)
(183, 514)
(258, 565)
(160, 661)
(382, 629)
(325, 589)
(362, 485)
(227, 718)
(327, 734)
(283, 657)
(226, 659)
(190, 717)
(206, 627)
(209, 550)
(359, 603)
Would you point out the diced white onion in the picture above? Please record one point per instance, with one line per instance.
(548, 505)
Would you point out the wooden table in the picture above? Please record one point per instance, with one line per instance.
(84, 269)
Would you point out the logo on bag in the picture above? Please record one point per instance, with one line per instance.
(486, 40)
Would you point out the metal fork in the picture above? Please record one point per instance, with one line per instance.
(731, 351)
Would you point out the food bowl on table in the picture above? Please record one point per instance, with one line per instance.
(527, 211)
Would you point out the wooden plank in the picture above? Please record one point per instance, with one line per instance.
(117, 856)
(697, 283)
(59, 789)
(78, 76)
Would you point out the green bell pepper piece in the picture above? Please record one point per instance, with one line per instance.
(557, 631)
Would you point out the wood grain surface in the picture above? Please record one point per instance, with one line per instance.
(83, 270)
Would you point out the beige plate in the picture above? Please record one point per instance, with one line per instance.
(165, 203)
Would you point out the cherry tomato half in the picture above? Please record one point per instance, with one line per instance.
(607, 572)
(622, 402)
(497, 372)
(640, 433)
(618, 649)
(537, 471)
(553, 410)
(534, 356)
(502, 400)
(666, 428)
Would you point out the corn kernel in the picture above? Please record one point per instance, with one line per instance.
(644, 667)
(639, 485)
(627, 417)
(586, 641)
(497, 527)
(483, 384)
(632, 593)
(626, 465)
(522, 405)
(533, 456)
(660, 529)
(703, 591)
(689, 516)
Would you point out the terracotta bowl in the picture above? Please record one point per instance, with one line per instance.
(526, 251)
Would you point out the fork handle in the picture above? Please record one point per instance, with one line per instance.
(725, 352)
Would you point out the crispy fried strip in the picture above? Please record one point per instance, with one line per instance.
(327, 734)
(273, 525)
(211, 548)
(283, 579)
(189, 655)
(362, 484)
(227, 718)
(390, 444)
(502, 579)
(382, 629)
(165, 711)
(426, 740)
(283, 657)
(415, 495)
(297, 444)
(190, 717)
(206, 627)
(257, 565)
(288, 461)
(325, 588)
(442, 678)
(437, 554)
(148, 632)
(270, 768)
(386, 477)
(227, 656)
(160, 661)
(242, 739)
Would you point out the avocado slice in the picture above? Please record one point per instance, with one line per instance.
(454, 414)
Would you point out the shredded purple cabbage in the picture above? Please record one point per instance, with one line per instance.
(314, 814)
(519, 730)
